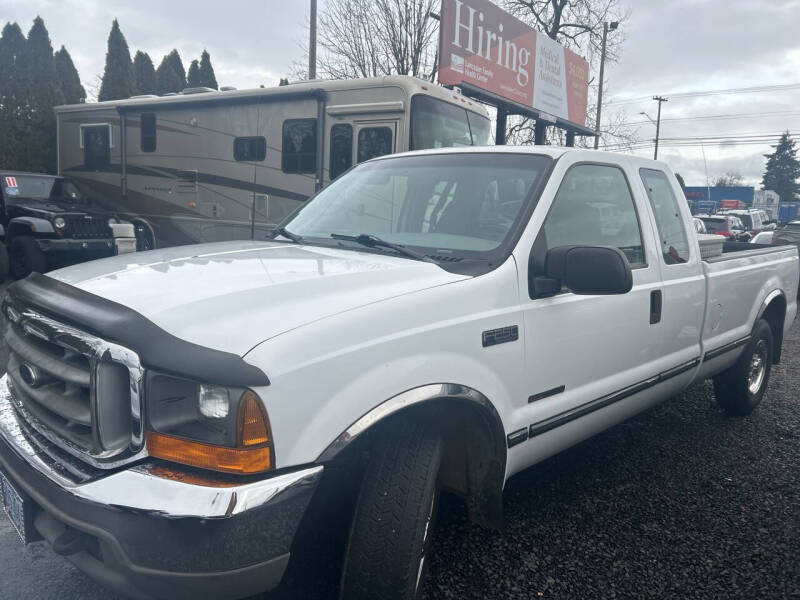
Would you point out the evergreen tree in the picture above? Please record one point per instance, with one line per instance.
(782, 174)
(44, 92)
(207, 77)
(68, 78)
(13, 97)
(175, 60)
(679, 177)
(144, 73)
(193, 77)
(118, 81)
(167, 79)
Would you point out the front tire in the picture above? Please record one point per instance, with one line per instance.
(390, 538)
(26, 257)
(739, 390)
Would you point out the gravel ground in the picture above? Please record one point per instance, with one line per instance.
(678, 502)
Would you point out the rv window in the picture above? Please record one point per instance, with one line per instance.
(96, 146)
(299, 150)
(374, 141)
(148, 132)
(250, 149)
(341, 149)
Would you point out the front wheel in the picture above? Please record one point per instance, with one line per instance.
(26, 257)
(740, 389)
(390, 538)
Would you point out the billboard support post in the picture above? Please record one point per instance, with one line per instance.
(500, 128)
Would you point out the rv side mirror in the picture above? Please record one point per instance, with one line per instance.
(589, 270)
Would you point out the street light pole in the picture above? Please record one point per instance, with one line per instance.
(606, 27)
(312, 42)
(658, 99)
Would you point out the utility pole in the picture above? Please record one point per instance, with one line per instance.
(312, 42)
(606, 27)
(658, 99)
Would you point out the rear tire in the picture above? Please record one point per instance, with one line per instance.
(390, 538)
(26, 257)
(4, 264)
(739, 390)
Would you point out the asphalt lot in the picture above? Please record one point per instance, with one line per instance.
(678, 502)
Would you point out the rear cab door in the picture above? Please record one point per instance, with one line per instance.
(683, 285)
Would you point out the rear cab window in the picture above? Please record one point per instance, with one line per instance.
(671, 233)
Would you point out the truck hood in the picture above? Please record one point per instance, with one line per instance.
(233, 295)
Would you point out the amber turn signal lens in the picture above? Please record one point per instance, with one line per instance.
(253, 421)
(242, 461)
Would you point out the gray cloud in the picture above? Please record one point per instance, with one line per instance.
(671, 46)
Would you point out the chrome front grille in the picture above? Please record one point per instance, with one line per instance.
(78, 391)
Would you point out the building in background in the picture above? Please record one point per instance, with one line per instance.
(720, 198)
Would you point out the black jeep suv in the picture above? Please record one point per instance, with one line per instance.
(48, 222)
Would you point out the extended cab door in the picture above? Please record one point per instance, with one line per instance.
(585, 354)
(683, 285)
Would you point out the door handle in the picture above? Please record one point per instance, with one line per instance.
(655, 307)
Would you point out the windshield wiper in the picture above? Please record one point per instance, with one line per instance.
(372, 241)
(287, 234)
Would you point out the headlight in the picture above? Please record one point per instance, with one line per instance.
(60, 222)
(208, 426)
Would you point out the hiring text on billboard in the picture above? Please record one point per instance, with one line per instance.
(483, 45)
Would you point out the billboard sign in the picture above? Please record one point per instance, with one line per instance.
(481, 44)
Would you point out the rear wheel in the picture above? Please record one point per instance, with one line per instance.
(390, 539)
(740, 389)
(4, 264)
(26, 257)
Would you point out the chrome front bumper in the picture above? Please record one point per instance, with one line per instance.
(153, 530)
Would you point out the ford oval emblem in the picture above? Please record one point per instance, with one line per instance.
(30, 374)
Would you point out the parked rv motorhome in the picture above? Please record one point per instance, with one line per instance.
(210, 165)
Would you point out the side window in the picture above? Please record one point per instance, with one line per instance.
(148, 142)
(341, 149)
(374, 141)
(250, 149)
(299, 148)
(671, 233)
(594, 206)
(96, 141)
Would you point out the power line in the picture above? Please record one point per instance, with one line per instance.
(701, 93)
(725, 116)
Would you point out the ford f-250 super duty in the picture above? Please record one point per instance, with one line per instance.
(437, 320)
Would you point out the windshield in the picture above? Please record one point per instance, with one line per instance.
(439, 124)
(40, 188)
(714, 225)
(28, 186)
(746, 220)
(467, 203)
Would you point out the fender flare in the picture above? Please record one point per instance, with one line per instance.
(415, 396)
(778, 329)
(33, 224)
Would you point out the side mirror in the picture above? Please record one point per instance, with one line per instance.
(585, 270)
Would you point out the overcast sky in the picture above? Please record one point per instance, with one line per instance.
(671, 47)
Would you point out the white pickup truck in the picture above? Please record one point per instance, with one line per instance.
(432, 321)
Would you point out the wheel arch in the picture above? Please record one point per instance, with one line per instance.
(475, 448)
(773, 310)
